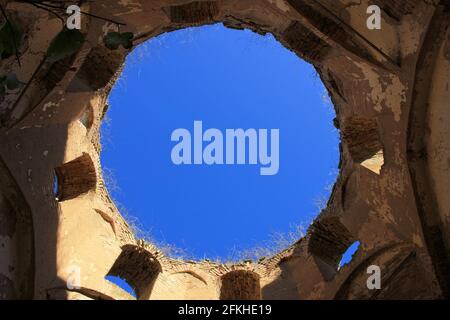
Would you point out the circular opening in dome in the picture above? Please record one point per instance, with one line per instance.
(168, 159)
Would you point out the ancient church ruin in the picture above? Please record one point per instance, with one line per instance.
(61, 234)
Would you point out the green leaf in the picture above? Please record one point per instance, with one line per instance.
(65, 44)
(11, 36)
(113, 40)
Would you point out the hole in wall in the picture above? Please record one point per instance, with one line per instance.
(364, 143)
(75, 178)
(121, 283)
(328, 242)
(347, 257)
(136, 267)
(240, 285)
(87, 117)
(55, 186)
(227, 79)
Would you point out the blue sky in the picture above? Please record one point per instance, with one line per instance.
(228, 79)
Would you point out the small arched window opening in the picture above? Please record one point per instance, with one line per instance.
(138, 268)
(240, 285)
(75, 178)
(363, 141)
(328, 241)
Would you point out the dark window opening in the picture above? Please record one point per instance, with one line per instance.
(329, 240)
(240, 285)
(75, 178)
(138, 268)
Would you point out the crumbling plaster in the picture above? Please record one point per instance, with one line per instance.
(392, 196)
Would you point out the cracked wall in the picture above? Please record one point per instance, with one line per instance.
(390, 92)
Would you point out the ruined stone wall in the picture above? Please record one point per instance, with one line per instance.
(390, 89)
